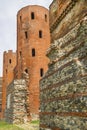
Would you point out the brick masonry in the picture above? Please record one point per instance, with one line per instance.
(63, 89)
(30, 61)
(9, 63)
(28, 27)
(0, 95)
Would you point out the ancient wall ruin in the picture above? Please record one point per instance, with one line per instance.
(16, 102)
(63, 89)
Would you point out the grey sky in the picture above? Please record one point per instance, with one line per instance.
(8, 12)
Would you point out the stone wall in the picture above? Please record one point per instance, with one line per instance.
(69, 13)
(16, 102)
(63, 89)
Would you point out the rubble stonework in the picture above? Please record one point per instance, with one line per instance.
(63, 89)
(16, 102)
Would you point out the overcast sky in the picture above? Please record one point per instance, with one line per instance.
(8, 12)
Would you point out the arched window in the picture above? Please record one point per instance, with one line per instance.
(33, 52)
(32, 15)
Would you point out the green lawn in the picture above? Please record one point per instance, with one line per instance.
(35, 122)
(6, 126)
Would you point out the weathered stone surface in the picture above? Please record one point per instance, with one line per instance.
(63, 89)
(16, 106)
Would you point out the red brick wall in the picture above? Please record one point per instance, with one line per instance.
(9, 62)
(25, 46)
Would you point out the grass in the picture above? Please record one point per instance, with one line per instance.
(35, 122)
(6, 126)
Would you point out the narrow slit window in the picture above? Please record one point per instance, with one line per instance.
(6, 71)
(10, 61)
(26, 34)
(20, 18)
(32, 15)
(41, 72)
(40, 34)
(45, 18)
(33, 52)
(20, 53)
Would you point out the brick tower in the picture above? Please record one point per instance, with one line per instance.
(33, 39)
(9, 62)
(0, 95)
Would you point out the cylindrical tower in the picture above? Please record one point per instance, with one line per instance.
(33, 39)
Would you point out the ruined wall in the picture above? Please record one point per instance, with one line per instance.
(69, 13)
(9, 63)
(16, 102)
(33, 39)
(63, 90)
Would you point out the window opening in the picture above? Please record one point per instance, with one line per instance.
(26, 34)
(32, 15)
(40, 34)
(45, 17)
(33, 52)
(20, 18)
(6, 71)
(41, 72)
(20, 53)
(10, 61)
(26, 70)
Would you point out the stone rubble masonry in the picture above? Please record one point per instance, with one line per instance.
(9, 63)
(69, 13)
(16, 112)
(63, 89)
